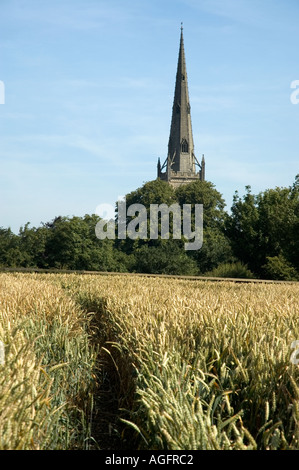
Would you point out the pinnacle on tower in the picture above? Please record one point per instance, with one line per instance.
(180, 165)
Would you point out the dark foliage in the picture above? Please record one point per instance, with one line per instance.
(260, 234)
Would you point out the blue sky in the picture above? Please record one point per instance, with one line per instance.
(89, 86)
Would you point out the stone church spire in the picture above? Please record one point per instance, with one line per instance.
(180, 165)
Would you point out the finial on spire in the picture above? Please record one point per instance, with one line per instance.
(181, 26)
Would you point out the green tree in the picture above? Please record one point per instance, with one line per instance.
(152, 192)
(264, 229)
(72, 244)
(232, 270)
(204, 192)
(216, 247)
(242, 229)
(169, 255)
(10, 253)
(166, 257)
(32, 242)
(278, 268)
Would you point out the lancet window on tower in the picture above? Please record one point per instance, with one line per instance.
(184, 146)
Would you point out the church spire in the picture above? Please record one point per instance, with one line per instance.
(181, 160)
(180, 146)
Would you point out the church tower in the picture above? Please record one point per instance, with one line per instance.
(180, 165)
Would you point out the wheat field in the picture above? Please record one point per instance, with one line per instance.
(137, 362)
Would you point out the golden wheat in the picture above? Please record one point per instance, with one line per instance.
(211, 359)
(42, 332)
(199, 365)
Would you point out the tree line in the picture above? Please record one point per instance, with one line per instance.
(258, 238)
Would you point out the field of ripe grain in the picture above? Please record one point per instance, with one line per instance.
(134, 362)
(47, 372)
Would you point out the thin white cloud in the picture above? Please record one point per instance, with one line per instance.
(264, 14)
(71, 14)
